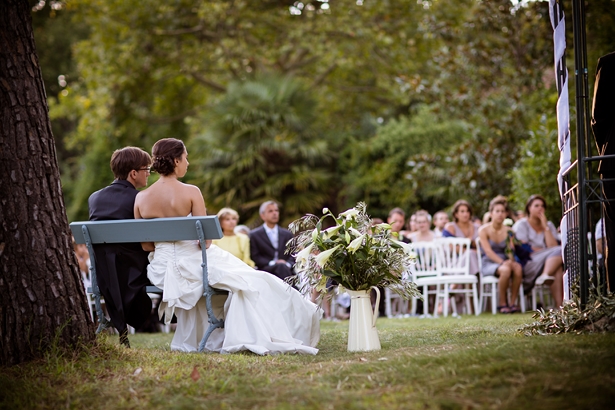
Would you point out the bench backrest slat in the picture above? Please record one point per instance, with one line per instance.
(147, 230)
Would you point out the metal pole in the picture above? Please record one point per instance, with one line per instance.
(582, 91)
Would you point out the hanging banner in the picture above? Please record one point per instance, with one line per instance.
(558, 23)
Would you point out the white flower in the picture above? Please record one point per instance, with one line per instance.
(325, 210)
(408, 248)
(508, 222)
(382, 226)
(302, 257)
(349, 214)
(323, 257)
(354, 231)
(314, 234)
(356, 244)
(329, 232)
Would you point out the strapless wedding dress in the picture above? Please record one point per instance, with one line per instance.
(262, 313)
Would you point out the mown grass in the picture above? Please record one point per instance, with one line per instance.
(473, 362)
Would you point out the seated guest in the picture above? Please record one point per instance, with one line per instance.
(463, 227)
(423, 233)
(396, 219)
(440, 219)
(486, 218)
(268, 243)
(261, 313)
(236, 244)
(546, 264)
(121, 269)
(495, 238)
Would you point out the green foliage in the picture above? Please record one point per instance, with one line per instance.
(537, 170)
(148, 70)
(381, 169)
(262, 143)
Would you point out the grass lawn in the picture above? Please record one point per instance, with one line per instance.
(472, 362)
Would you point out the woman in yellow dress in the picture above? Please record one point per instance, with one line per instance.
(237, 244)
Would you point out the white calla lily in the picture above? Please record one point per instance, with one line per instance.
(355, 244)
(354, 231)
(329, 232)
(323, 257)
(408, 248)
(302, 257)
(349, 214)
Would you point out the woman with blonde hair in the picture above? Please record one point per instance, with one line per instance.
(237, 244)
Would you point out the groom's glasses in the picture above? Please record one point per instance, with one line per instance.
(146, 169)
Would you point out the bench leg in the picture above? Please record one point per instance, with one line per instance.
(214, 322)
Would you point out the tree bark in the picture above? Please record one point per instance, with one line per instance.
(42, 298)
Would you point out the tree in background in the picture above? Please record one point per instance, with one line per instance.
(42, 300)
(262, 144)
(155, 69)
(534, 173)
(380, 169)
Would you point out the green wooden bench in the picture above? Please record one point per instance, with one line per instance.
(199, 228)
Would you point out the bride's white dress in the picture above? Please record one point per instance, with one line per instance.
(262, 313)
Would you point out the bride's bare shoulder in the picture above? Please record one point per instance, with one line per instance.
(192, 188)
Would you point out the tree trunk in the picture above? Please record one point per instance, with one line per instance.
(42, 298)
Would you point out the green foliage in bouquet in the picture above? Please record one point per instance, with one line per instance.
(353, 252)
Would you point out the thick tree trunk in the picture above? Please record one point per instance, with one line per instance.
(41, 292)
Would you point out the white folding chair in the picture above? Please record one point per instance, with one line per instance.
(425, 273)
(489, 287)
(454, 264)
(394, 305)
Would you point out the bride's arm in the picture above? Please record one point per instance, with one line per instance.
(147, 246)
(198, 205)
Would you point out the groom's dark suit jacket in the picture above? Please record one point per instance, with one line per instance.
(262, 251)
(121, 269)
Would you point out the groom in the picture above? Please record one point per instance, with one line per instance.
(121, 269)
(268, 243)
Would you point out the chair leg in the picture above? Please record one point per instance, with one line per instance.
(534, 298)
(468, 303)
(387, 303)
(522, 299)
(446, 301)
(475, 298)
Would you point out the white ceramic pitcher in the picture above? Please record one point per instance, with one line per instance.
(362, 333)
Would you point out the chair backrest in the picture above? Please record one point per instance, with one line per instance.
(480, 261)
(426, 261)
(454, 256)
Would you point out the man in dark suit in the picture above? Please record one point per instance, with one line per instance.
(603, 126)
(121, 269)
(268, 243)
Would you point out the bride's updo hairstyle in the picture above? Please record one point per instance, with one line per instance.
(164, 154)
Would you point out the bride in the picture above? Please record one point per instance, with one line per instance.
(262, 313)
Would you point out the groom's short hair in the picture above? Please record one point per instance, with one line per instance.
(126, 159)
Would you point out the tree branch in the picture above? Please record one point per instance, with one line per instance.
(323, 75)
(215, 86)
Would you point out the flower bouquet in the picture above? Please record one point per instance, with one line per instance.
(353, 252)
(358, 256)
